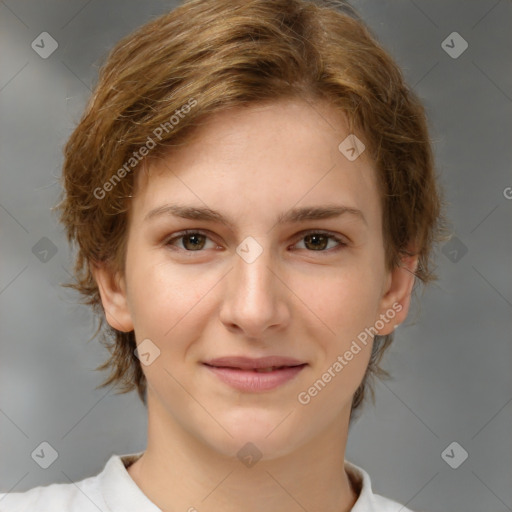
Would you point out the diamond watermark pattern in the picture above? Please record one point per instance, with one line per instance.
(352, 147)
(454, 250)
(44, 45)
(249, 454)
(454, 455)
(147, 352)
(249, 250)
(44, 250)
(454, 45)
(45, 455)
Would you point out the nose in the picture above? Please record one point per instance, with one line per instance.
(255, 297)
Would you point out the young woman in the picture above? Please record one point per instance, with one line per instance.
(252, 197)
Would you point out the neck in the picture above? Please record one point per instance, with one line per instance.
(179, 472)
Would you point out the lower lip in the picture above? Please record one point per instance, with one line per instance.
(248, 380)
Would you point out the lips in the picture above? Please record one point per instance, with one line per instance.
(262, 364)
(255, 375)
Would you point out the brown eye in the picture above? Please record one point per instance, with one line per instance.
(319, 241)
(196, 241)
(192, 241)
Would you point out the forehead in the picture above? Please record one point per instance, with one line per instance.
(260, 159)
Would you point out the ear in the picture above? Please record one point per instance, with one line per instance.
(112, 288)
(397, 292)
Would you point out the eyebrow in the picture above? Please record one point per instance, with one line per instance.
(292, 216)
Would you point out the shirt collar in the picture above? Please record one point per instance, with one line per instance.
(121, 493)
(362, 485)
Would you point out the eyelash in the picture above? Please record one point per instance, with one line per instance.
(331, 236)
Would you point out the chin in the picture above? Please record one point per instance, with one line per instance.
(267, 435)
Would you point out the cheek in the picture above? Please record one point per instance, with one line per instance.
(169, 311)
(165, 297)
(347, 307)
(344, 304)
(171, 305)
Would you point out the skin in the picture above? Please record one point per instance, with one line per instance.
(251, 165)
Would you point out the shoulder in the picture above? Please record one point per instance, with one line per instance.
(84, 495)
(111, 489)
(367, 500)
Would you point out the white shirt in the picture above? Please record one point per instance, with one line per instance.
(114, 490)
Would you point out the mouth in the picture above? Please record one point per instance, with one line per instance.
(262, 370)
(255, 375)
(256, 370)
(262, 364)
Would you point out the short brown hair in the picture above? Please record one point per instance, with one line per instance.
(221, 54)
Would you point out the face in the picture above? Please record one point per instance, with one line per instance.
(266, 281)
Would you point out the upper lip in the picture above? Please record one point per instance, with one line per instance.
(247, 363)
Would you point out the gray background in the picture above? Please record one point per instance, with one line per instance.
(450, 361)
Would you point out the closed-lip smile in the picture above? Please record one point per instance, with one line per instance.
(255, 374)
